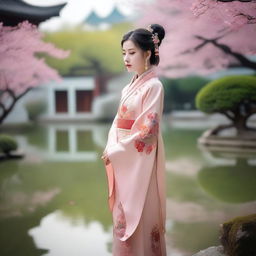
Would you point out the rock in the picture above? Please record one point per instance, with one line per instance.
(238, 236)
(212, 251)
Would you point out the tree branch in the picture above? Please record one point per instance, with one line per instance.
(228, 115)
(22, 94)
(6, 110)
(226, 49)
(2, 106)
(245, 1)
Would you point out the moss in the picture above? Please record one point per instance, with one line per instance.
(239, 236)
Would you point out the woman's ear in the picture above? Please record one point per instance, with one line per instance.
(147, 54)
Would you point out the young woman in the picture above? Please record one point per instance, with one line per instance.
(134, 155)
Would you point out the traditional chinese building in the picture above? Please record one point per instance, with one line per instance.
(94, 21)
(13, 12)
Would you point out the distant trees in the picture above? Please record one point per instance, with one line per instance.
(180, 93)
(96, 53)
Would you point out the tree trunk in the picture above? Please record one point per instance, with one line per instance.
(6, 111)
(240, 123)
(217, 129)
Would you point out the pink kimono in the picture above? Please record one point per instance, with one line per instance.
(136, 172)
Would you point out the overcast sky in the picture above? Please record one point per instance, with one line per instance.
(76, 10)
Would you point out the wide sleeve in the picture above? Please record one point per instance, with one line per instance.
(133, 158)
(112, 137)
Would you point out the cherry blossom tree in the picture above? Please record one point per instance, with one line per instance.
(21, 69)
(203, 36)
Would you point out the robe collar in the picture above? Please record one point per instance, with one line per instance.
(137, 81)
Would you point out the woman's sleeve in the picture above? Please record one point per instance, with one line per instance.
(133, 158)
(112, 139)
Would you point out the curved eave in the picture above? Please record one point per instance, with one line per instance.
(12, 12)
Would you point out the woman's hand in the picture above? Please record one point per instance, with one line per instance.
(105, 158)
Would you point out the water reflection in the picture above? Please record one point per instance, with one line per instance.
(202, 189)
(73, 143)
(233, 180)
(63, 236)
(56, 197)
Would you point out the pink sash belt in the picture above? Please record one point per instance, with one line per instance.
(124, 123)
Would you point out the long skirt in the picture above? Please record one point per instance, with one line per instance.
(147, 240)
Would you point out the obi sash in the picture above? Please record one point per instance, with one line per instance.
(124, 123)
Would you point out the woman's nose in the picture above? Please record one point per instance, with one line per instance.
(126, 58)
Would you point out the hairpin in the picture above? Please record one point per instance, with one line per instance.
(155, 39)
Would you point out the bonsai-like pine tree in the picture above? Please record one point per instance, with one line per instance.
(232, 96)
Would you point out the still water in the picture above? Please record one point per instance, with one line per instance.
(54, 201)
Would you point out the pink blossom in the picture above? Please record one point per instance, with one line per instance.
(190, 23)
(20, 69)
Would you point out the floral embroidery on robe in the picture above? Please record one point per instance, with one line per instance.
(119, 231)
(125, 248)
(126, 112)
(148, 134)
(123, 145)
(155, 240)
(120, 225)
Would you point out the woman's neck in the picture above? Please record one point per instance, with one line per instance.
(139, 74)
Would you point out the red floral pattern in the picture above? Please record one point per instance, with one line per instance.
(148, 134)
(119, 231)
(125, 248)
(126, 112)
(120, 226)
(155, 240)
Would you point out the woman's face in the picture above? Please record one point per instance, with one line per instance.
(134, 57)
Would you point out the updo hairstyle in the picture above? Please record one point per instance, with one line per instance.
(142, 38)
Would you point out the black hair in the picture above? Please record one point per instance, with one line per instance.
(142, 38)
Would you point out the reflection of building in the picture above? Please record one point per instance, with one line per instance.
(68, 142)
(75, 142)
(71, 143)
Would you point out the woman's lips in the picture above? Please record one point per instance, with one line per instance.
(128, 65)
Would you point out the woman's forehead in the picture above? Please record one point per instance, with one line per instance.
(129, 45)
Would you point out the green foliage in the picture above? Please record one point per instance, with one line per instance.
(34, 109)
(180, 93)
(7, 144)
(102, 47)
(226, 93)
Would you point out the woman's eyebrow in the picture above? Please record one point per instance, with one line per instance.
(129, 49)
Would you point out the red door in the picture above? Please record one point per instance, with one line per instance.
(84, 100)
(61, 101)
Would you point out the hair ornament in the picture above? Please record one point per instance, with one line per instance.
(155, 39)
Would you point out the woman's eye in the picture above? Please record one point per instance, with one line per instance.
(129, 53)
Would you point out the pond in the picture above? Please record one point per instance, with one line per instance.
(54, 200)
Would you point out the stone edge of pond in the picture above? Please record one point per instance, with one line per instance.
(211, 251)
